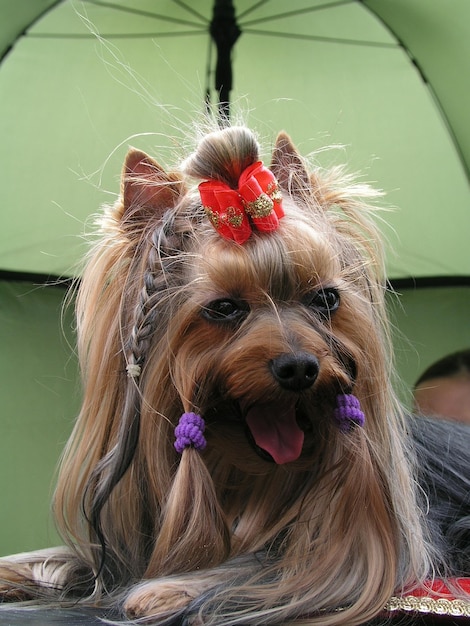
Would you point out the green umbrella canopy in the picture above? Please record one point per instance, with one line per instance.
(388, 79)
(80, 81)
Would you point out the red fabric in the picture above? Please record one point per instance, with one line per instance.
(256, 202)
(440, 589)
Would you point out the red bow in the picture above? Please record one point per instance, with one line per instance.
(257, 202)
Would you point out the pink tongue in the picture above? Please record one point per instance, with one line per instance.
(276, 431)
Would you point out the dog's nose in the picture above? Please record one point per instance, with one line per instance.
(295, 371)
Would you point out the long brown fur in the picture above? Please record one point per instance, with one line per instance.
(324, 539)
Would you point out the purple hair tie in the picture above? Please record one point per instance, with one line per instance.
(189, 431)
(348, 412)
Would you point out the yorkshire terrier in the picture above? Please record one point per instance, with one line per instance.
(240, 456)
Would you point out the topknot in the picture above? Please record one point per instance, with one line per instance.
(223, 155)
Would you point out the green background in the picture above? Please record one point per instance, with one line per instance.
(383, 84)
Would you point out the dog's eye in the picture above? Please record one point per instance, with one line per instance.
(324, 301)
(225, 311)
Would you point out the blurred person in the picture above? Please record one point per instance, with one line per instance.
(443, 389)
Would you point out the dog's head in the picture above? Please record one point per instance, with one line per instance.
(259, 338)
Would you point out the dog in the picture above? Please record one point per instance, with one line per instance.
(240, 456)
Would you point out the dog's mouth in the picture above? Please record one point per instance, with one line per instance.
(281, 430)
(274, 431)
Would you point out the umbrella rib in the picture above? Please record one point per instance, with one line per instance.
(157, 16)
(280, 16)
(186, 7)
(252, 8)
(395, 284)
(352, 42)
(38, 279)
(425, 282)
(182, 33)
(4, 52)
(424, 78)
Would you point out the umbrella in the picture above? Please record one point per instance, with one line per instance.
(81, 80)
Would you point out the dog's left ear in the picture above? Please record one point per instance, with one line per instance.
(288, 167)
(147, 191)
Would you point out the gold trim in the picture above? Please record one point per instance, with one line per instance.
(213, 217)
(261, 207)
(233, 216)
(440, 606)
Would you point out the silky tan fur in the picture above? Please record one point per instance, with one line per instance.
(224, 536)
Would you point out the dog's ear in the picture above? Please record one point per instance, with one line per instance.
(147, 191)
(288, 167)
